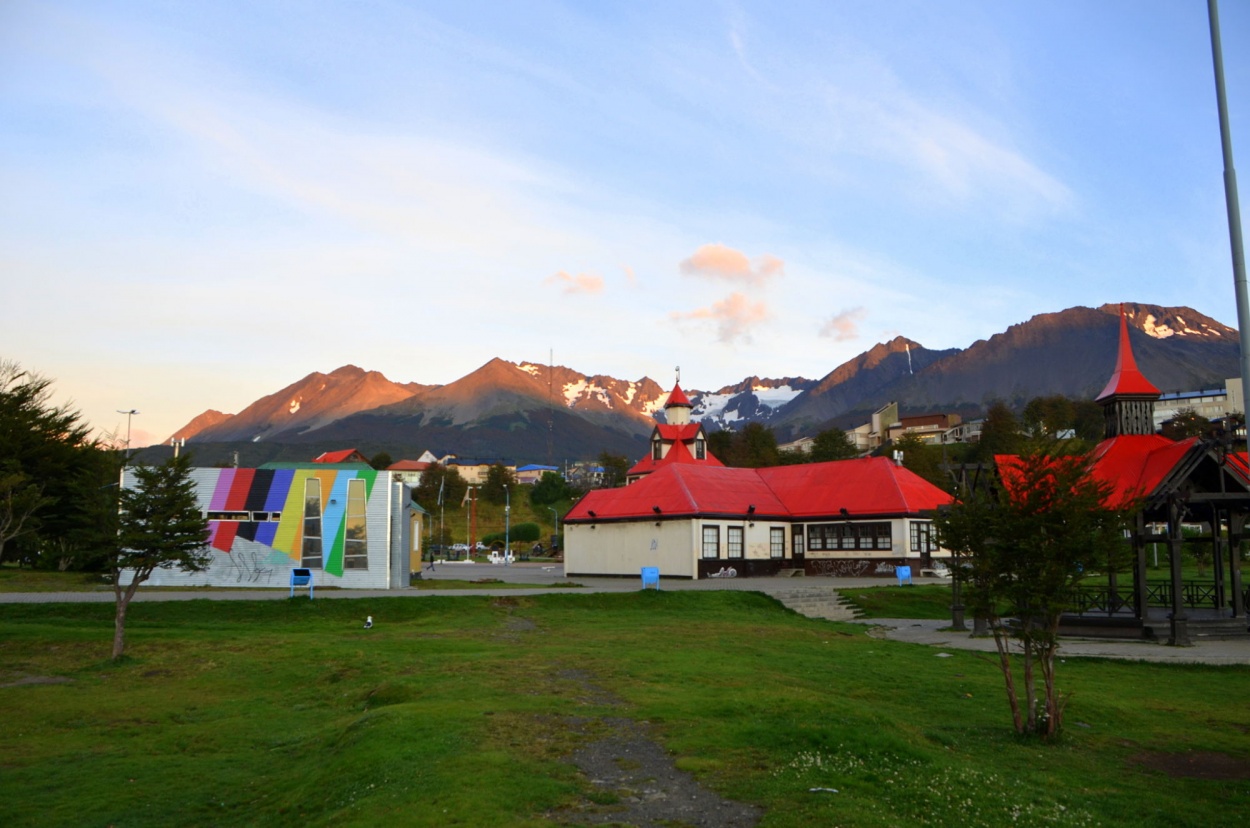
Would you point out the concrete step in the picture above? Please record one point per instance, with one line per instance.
(816, 602)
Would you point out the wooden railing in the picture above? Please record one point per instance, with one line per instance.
(1102, 600)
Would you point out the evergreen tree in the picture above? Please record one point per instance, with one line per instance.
(550, 488)
(615, 467)
(1024, 549)
(437, 480)
(160, 526)
(498, 478)
(832, 444)
(50, 469)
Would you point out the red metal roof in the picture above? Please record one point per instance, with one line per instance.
(1126, 380)
(344, 456)
(679, 452)
(865, 487)
(408, 465)
(1134, 464)
(677, 397)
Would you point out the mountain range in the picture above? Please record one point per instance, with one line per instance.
(524, 412)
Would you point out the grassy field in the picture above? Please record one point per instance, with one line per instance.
(463, 711)
(931, 601)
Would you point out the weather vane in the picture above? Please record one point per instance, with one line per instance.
(678, 370)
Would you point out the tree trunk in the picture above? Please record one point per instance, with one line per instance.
(1003, 643)
(123, 603)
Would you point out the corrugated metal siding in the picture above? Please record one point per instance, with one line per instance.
(255, 563)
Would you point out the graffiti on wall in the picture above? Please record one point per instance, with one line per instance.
(849, 568)
(267, 507)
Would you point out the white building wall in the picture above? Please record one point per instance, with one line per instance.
(254, 564)
(624, 548)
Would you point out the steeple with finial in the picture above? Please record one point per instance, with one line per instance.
(1128, 401)
(677, 409)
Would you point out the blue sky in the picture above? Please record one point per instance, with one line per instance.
(203, 202)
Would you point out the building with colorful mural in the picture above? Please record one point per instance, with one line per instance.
(354, 527)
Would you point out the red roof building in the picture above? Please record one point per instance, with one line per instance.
(692, 517)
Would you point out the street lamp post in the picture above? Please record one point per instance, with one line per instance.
(128, 414)
(507, 526)
(555, 517)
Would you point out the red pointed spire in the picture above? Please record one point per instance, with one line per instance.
(677, 397)
(1127, 380)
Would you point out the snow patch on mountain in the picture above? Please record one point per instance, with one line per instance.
(774, 398)
(1159, 331)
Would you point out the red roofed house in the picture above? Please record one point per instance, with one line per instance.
(1191, 482)
(343, 456)
(677, 440)
(692, 517)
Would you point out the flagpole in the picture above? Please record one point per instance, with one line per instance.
(1234, 211)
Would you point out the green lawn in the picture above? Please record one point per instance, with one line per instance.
(913, 601)
(460, 711)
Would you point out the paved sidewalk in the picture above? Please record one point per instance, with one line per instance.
(931, 633)
(541, 579)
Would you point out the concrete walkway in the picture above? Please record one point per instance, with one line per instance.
(540, 579)
(931, 633)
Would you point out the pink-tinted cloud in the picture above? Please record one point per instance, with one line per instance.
(720, 262)
(734, 317)
(630, 276)
(844, 326)
(581, 283)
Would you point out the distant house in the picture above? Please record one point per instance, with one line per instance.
(474, 472)
(354, 527)
(1210, 404)
(409, 471)
(872, 435)
(343, 456)
(927, 428)
(533, 472)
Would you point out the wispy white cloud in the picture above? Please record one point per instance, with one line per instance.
(573, 284)
(718, 261)
(844, 326)
(735, 316)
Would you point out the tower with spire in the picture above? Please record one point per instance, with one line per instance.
(676, 440)
(1128, 401)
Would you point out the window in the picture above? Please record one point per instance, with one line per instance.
(922, 536)
(777, 542)
(711, 541)
(311, 555)
(241, 517)
(355, 534)
(733, 541)
(843, 536)
(796, 541)
(657, 449)
(700, 449)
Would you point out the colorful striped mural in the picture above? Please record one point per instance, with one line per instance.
(270, 491)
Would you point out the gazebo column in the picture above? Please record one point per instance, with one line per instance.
(1236, 528)
(1180, 621)
(1217, 557)
(1140, 590)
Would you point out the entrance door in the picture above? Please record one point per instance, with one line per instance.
(797, 548)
